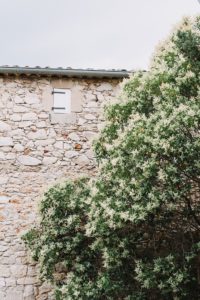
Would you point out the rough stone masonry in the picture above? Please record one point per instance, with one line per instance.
(37, 149)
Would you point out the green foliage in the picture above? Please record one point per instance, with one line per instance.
(133, 231)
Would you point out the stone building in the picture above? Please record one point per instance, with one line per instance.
(48, 118)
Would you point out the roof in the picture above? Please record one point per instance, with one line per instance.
(64, 72)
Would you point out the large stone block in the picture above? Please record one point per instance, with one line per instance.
(20, 109)
(18, 100)
(90, 117)
(27, 280)
(14, 295)
(16, 117)
(28, 293)
(71, 154)
(105, 87)
(44, 142)
(3, 179)
(82, 160)
(18, 271)
(2, 282)
(38, 135)
(4, 271)
(59, 145)
(49, 160)
(4, 126)
(29, 117)
(10, 282)
(28, 160)
(6, 141)
(3, 200)
(18, 148)
(32, 99)
(73, 136)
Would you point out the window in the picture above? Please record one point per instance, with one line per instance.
(61, 101)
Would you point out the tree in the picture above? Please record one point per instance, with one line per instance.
(133, 231)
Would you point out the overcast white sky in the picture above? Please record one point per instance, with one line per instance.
(86, 33)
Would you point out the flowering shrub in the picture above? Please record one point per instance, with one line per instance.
(133, 231)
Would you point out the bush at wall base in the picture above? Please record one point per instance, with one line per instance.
(133, 231)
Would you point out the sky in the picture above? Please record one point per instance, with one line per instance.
(105, 34)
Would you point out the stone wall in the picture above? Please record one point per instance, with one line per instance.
(35, 153)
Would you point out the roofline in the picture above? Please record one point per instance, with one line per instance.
(60, 72)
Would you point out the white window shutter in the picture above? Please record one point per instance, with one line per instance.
(62, 101)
